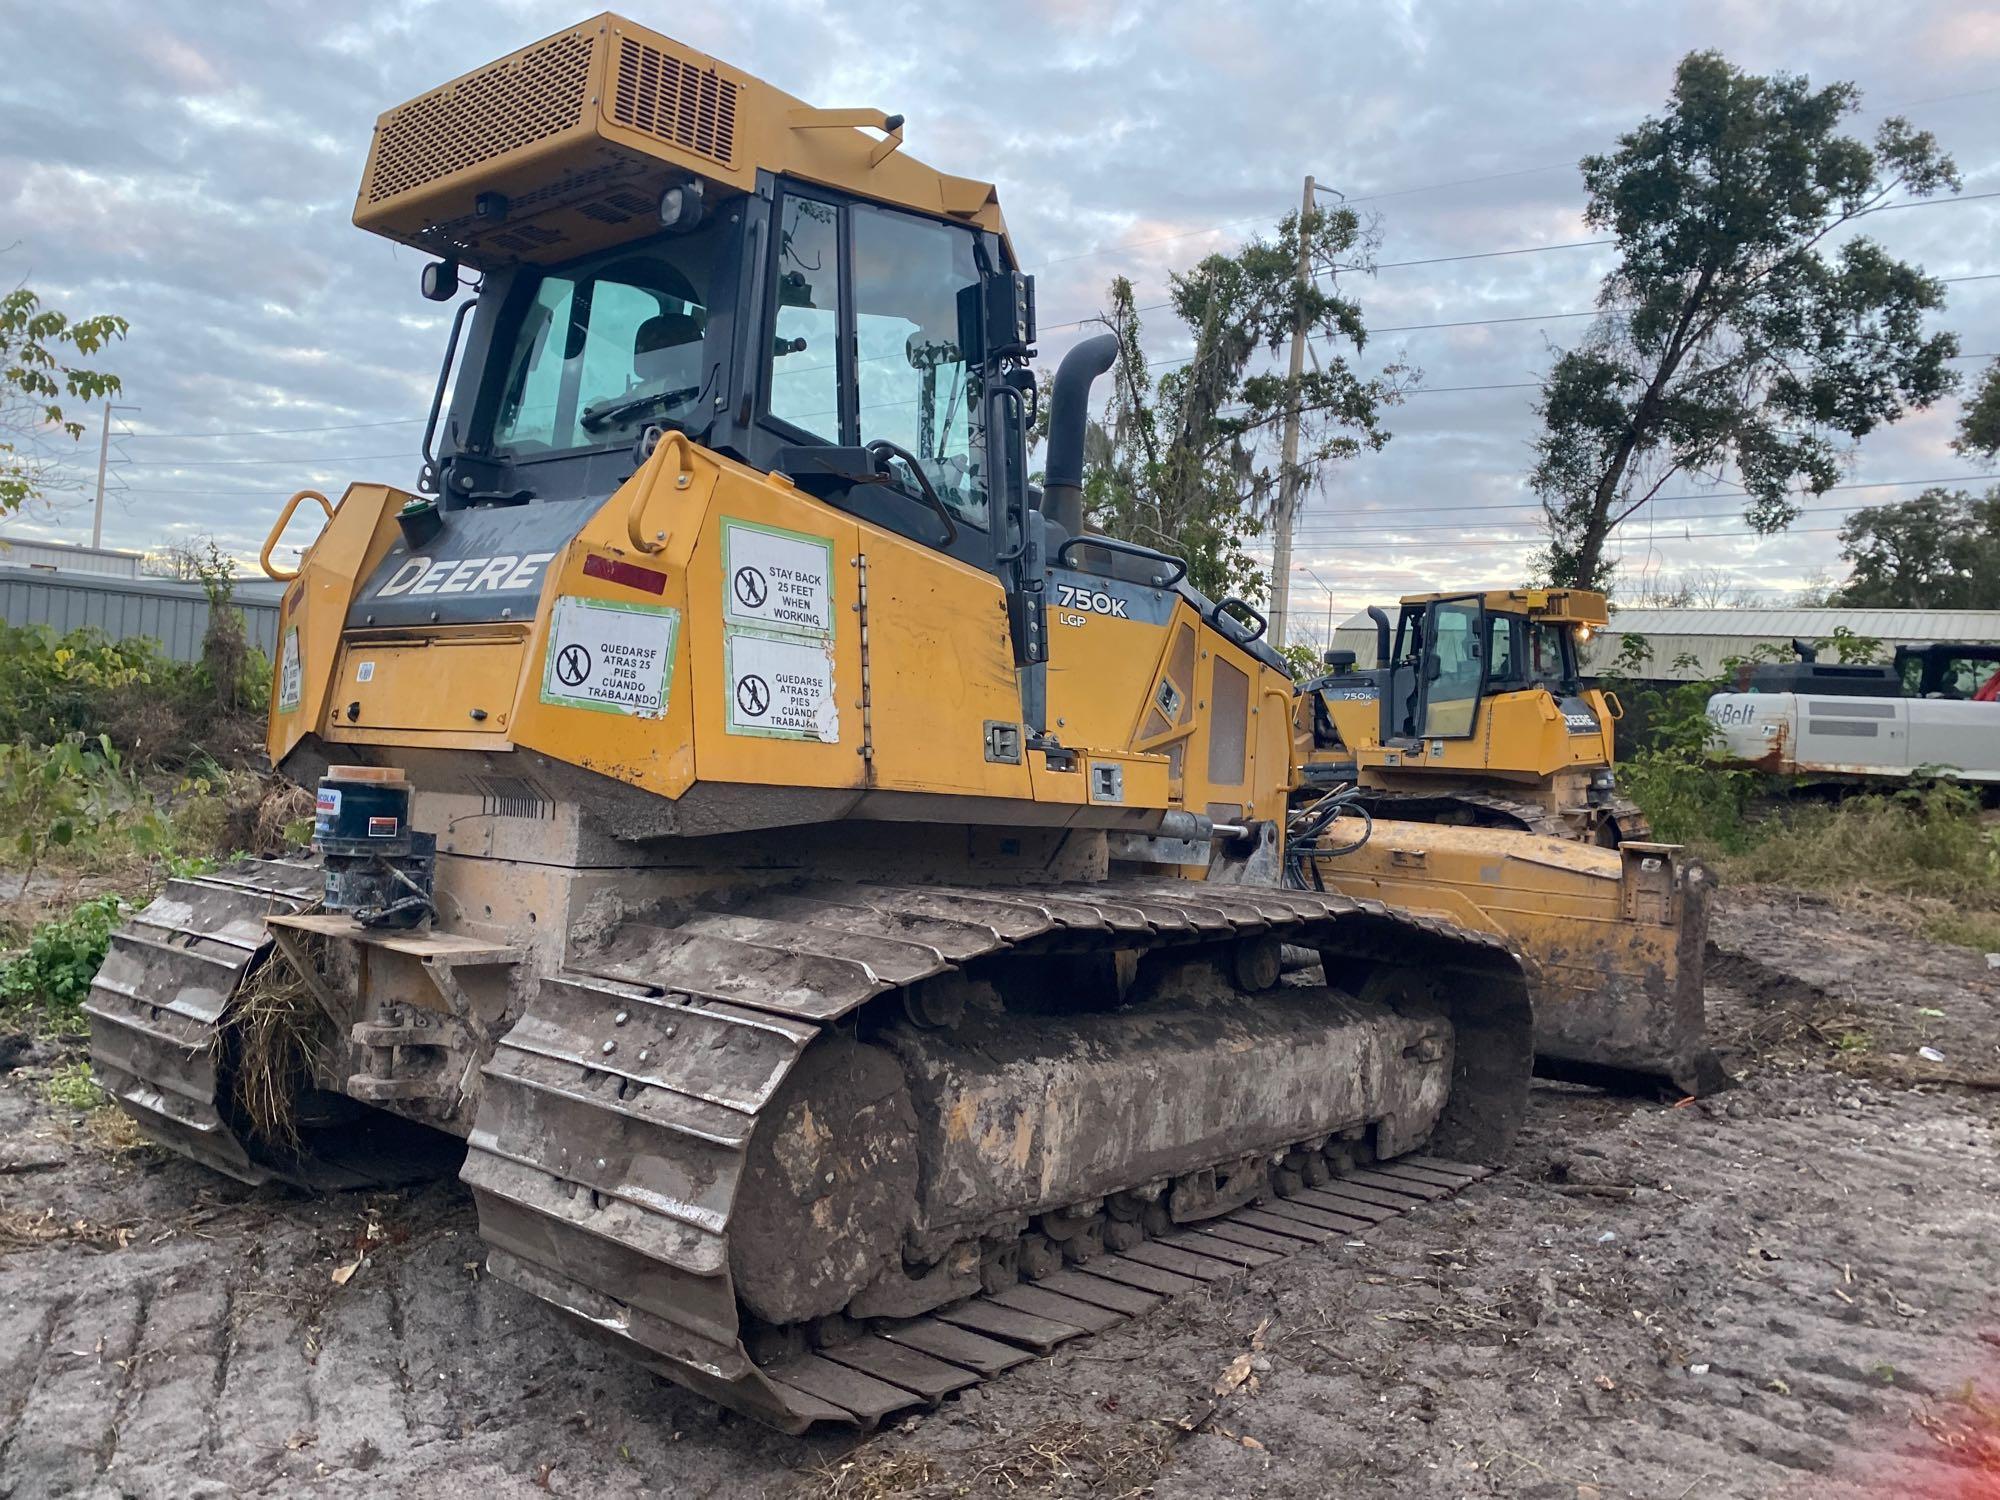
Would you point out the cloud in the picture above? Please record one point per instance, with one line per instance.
(198, 178)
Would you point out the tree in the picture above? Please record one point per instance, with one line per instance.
(1938, 551)
(40, 370)
(1979, 424)
(1729, 332)
(1184, 462)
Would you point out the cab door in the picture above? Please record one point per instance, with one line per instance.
(1454, 668)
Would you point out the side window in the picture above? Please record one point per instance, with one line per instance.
(1502, 665)
(534, 384)
(1452, 671)
(913, 384)
(1545, 643)
(805, 346)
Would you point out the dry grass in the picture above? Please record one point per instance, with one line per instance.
(25, 1231)
(1922, 847)
(277, 1031)
(1051, 1458)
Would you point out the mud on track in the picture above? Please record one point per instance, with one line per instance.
(1786, 1289)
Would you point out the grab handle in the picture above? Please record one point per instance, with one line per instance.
(682, 460)
(284, 520)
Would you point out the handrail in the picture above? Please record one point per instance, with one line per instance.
(1129, 549)
(284, 520)
(683, 462)
(1216, 616)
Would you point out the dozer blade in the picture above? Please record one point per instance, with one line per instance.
(1617, 937)
(747, 1151)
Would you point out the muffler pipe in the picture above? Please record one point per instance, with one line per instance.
(1069, 418)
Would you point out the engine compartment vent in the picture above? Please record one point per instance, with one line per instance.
(674, 101)
(512, 104)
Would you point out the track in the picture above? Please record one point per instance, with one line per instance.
(156, 1005)
(901, 1364)
(612, 1146)
(615, 1124)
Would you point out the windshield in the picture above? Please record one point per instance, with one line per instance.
(608, 346)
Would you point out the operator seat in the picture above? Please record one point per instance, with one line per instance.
(666, 351)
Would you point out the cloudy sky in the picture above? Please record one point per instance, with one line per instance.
(192, 166)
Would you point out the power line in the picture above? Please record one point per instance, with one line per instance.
(283, 431)
(1518, 318)
(1535, 251)
(1876, 484)
(311, 460)
(1471, 542)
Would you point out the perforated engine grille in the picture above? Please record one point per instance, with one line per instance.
(503, 108)
(675, 101)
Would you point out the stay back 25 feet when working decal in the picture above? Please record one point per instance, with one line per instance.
(778, 633)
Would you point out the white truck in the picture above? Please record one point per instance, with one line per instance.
(1937, 708)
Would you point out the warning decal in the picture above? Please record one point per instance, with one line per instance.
(612, 657)
(781, 686)
(291, 676)
(780, 580)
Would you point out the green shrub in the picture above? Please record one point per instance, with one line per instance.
(1686, 796)
(1927, 843)
(72, 796)
(52, 974)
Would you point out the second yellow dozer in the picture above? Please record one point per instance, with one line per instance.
(1469, 773)
(836, 904)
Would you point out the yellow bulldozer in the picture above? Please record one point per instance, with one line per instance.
(828, 906)
(1475, 712)
(836, 903)
(1469, 773)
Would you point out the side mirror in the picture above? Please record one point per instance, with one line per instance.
(440, 280)
(1433, 669)
(996, 318)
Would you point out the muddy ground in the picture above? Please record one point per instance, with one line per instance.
(1786, 1289)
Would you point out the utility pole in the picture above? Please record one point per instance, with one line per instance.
(103, 458)
(1288, 478)
(103, 461)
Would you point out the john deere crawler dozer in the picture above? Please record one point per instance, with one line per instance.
(837, 904)
(1485, 762)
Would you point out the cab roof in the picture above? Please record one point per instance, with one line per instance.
(1569, 606)
(567, 145)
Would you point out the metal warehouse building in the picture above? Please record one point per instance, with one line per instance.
(69, 588)
(1711, 636)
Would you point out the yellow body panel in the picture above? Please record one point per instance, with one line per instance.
(460, 681)
(918, 678)
(940, 672)
(314, 611)
(1517, 735)
(1228, 752)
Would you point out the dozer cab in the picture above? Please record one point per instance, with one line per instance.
(836, 904)
(1469, 772)
(1475, 712)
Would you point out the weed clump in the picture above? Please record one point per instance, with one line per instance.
(47, 980)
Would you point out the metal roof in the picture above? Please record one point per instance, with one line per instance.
(1892, 625)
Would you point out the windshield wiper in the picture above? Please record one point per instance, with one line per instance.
(604, 415)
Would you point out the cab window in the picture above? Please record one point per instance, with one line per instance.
(1502, 663)
(912, 384)
(606, 346)
(1546, 661)
(1452, 670)
(805, 345)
